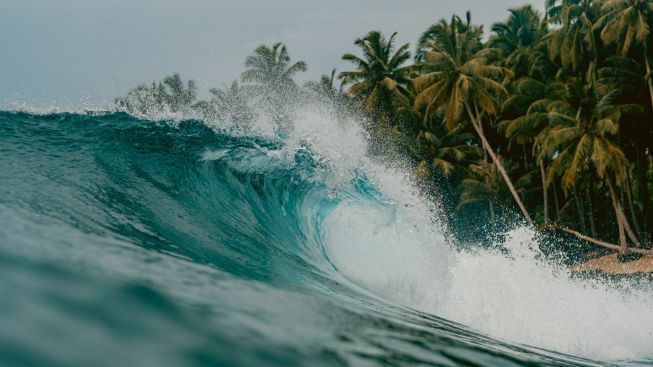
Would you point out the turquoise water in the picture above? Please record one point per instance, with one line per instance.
(139, 243)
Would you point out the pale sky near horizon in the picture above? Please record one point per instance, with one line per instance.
(70, 53)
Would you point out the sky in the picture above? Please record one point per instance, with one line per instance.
(72, 53)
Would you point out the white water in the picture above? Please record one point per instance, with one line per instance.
(512, 297)
(400, 252)
(519, 298)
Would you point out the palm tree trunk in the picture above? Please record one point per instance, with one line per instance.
(545, 193)
(629, 230)
(623, 245)
(648, 73)
(479, 130)
(595, 241)
(555, 201)
(633, 216)
(641, 165)
(581, 212)
(643, 188)
(646, 193)
(566, 205)
(590, 212)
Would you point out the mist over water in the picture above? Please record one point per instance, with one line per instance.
(167, 240)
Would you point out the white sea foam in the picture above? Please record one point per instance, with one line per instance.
(513, 296)
(521, 299)
(54, 108)
(400, 251)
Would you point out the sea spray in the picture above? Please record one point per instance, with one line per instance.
(399, 249)
(518, 297)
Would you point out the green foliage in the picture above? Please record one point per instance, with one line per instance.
(559, 102)
(626, 24)
(379, 77)
(456, 72)
(517, 39)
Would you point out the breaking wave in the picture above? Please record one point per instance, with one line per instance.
(163, 241)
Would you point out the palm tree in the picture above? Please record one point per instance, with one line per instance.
(555, 9)
(270, 69)
(530, 99)
(232, 104)
(516, 37)
(574, 43)
(434, 38)
(380, 75)
(177, 95)
(623, 75)
(459, 78)
(326, 88)
(270, 73)
(584, 123)
(447, 153)
(143, 99)
(170, 94)
(626, 23)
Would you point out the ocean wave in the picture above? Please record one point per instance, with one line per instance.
(264, 249)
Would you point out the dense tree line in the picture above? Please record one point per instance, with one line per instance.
(549, 115)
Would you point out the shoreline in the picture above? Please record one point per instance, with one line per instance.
(609, 264)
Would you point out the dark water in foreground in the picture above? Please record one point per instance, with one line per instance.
(126, 242)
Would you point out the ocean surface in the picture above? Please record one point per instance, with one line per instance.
(170, 241)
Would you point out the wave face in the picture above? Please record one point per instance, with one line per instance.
(167, 243)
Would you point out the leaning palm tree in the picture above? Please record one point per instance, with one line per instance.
(380, 76)
(270, 75)
(460, 79)
(584, 123)
(626, 23)
(623, 75)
